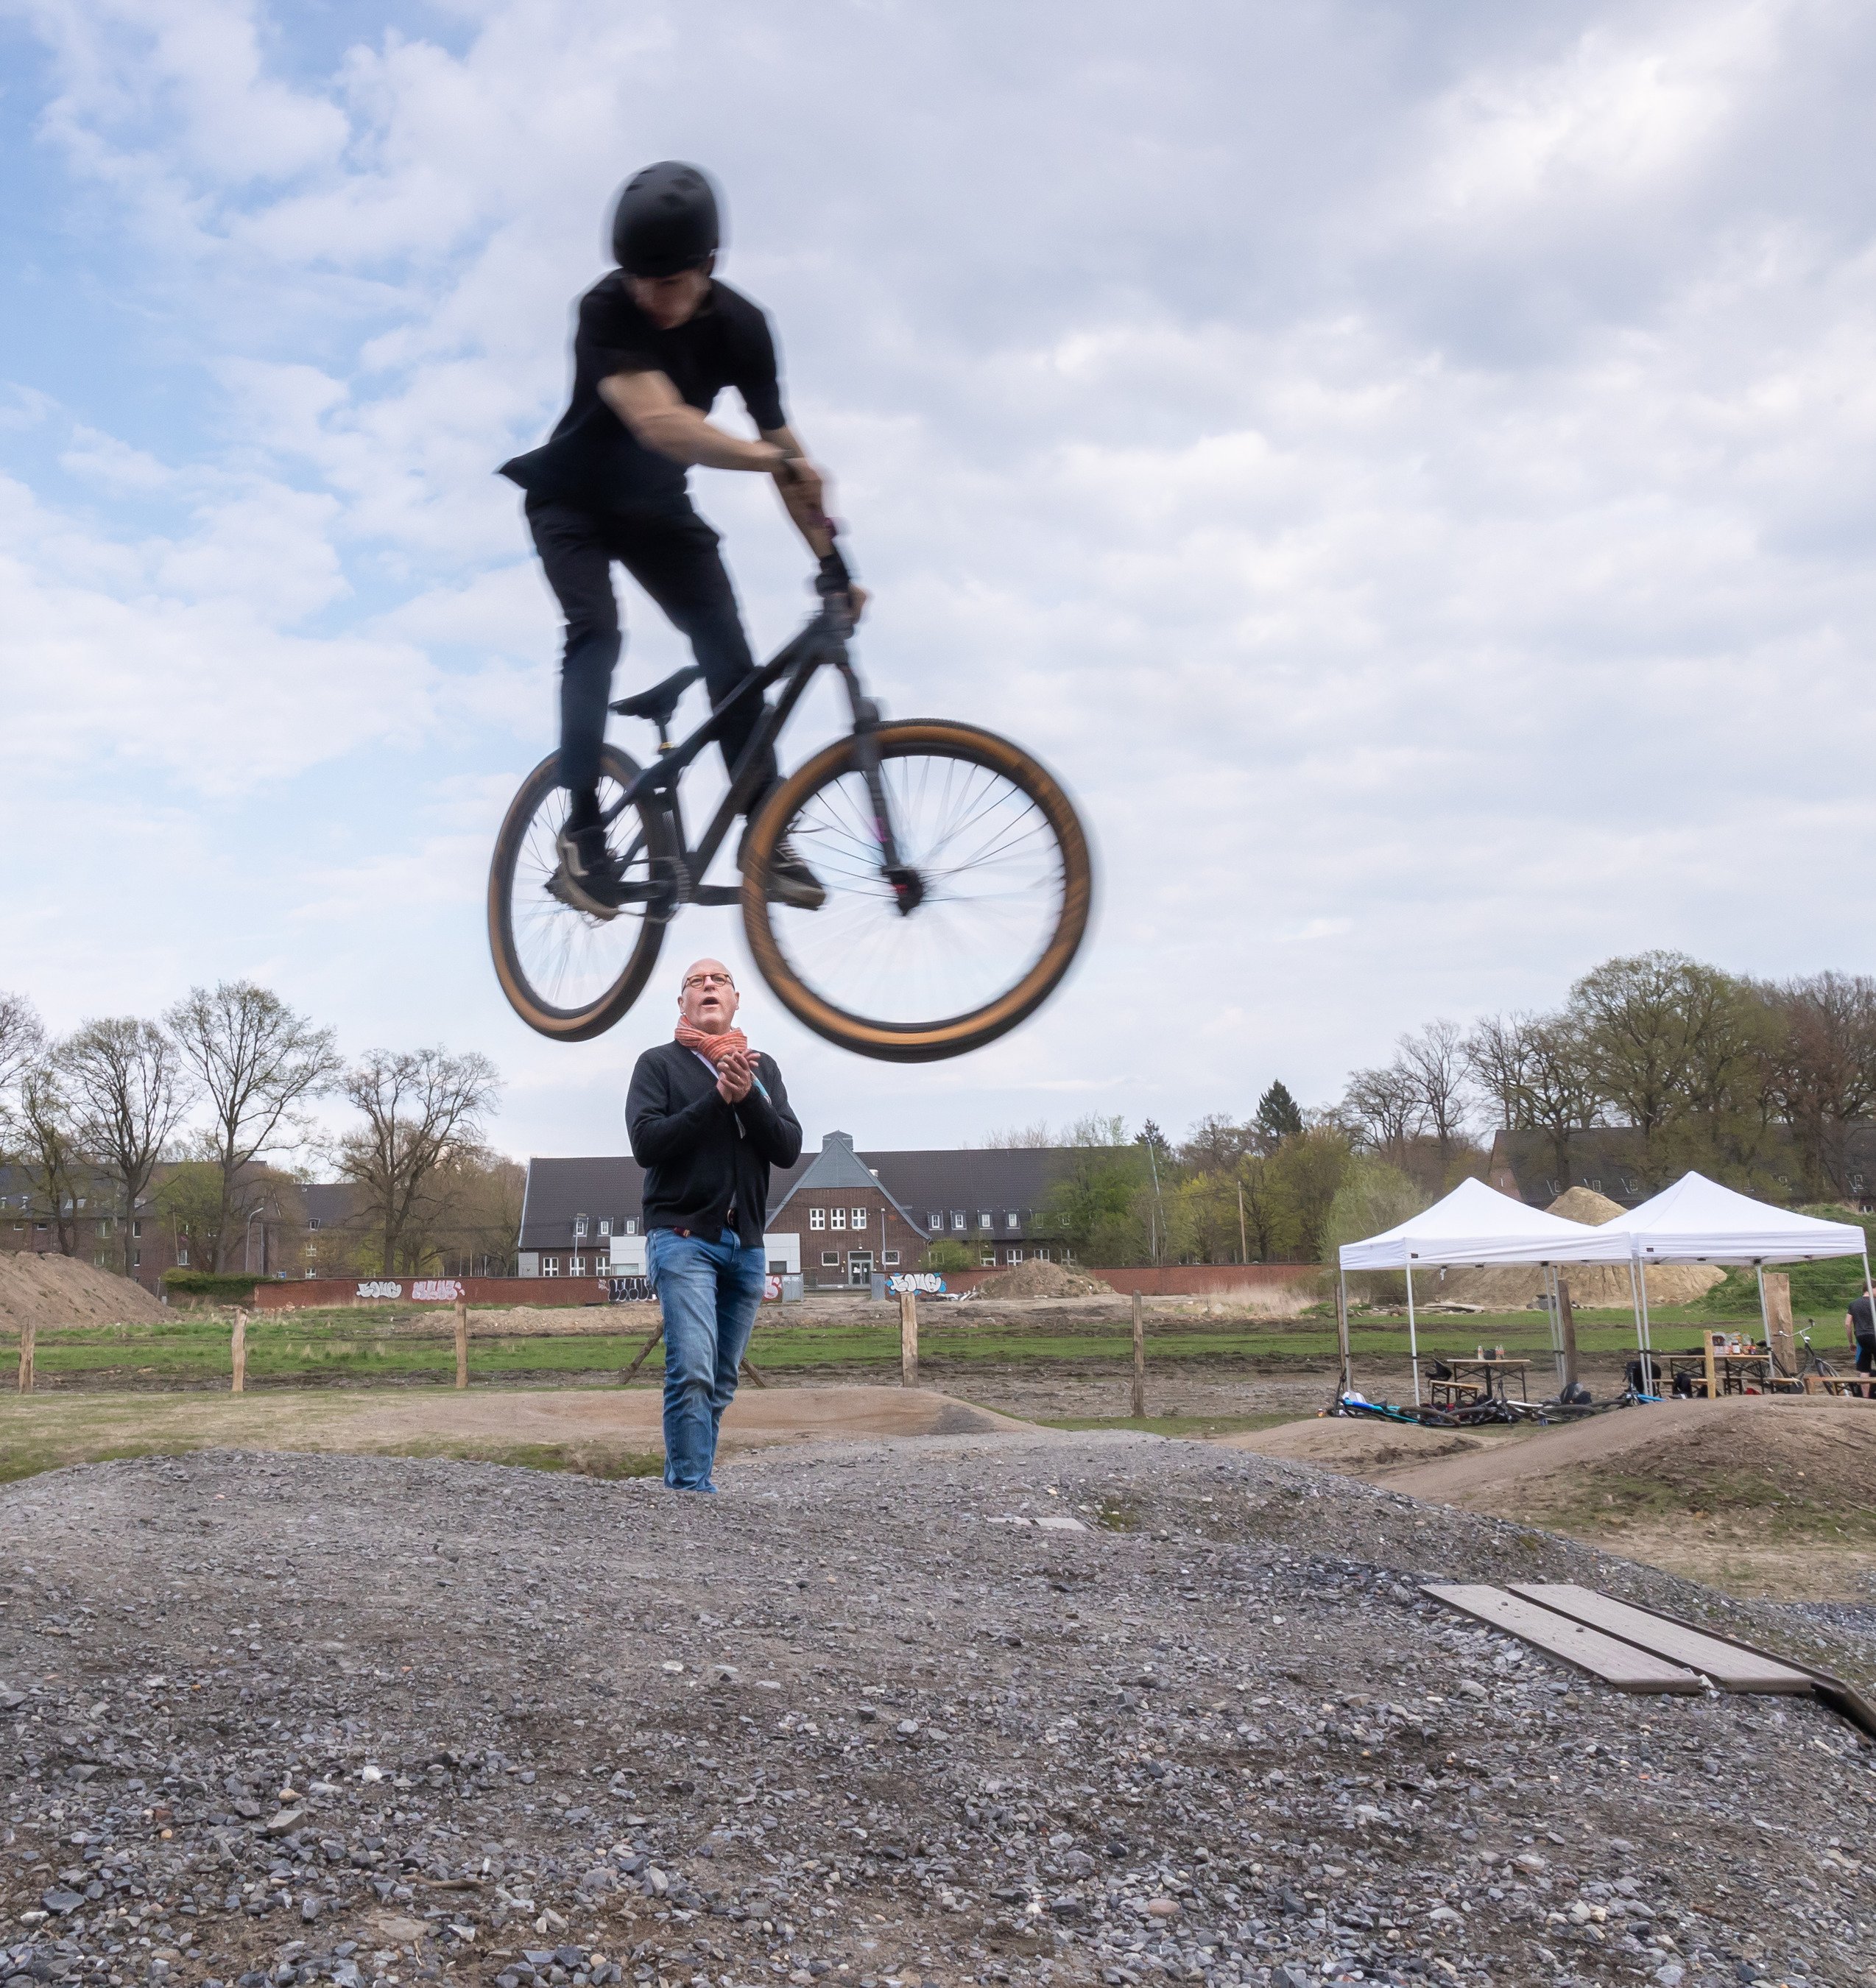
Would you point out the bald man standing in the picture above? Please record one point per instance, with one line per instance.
(708, 1118)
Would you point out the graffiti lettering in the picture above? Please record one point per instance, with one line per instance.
(915, 1280)
(380, 1288)
(628, 1290)
(437, 1291)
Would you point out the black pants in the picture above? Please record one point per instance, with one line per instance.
(672, 554)
(1865, 1362)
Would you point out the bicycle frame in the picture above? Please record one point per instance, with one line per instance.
(821, 644)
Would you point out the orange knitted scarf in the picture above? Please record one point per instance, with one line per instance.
(712, 1048)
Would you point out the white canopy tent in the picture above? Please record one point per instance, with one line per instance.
(1698, 1221)
(1473, 1225)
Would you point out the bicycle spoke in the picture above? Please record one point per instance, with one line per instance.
(993, 880)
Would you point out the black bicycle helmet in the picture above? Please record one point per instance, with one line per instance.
(666, 220)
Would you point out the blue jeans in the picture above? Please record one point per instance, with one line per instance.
(709, 1292)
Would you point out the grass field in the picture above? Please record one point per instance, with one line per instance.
(354, 1347)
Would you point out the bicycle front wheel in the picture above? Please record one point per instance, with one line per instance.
(974, 933)
(567, 974)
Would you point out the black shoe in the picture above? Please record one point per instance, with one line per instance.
(590, 874)
(790, 881)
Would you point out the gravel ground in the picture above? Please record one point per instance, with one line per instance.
(1069, 1709)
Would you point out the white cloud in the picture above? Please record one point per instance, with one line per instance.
(1411, 476)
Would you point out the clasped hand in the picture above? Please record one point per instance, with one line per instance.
(735, 1074)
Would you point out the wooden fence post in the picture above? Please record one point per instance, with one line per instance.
(462, 1342)
(1566, 1331)
(908, 1339)
(238, 1354)
(1778, 1318)
(1140, 1357)
(28, 1333)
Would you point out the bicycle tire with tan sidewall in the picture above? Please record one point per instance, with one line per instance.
(958, 1034)
(567, 1025)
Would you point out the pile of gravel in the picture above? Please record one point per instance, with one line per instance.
(1067, 1709)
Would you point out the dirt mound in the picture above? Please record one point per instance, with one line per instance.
(1038, 1280)
(46, 1291)
(1805, 1466)
(1593, 1287)
(1585, 1204)
(1355, 1448)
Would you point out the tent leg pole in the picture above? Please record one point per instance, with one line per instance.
(1413, 1335)
(1764, 1323)
(1868, 1291)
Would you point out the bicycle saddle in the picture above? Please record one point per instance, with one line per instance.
(659, 702)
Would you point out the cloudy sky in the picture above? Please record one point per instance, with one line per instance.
(1406, 467)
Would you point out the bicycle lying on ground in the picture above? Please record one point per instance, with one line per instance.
(957, 879)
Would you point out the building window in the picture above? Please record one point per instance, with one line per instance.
(182, 1254)
(836, 1218)
(550, 1266)
(313, 1222)
(1012, 1218)
(1013, 1255)
(1041, 1255)
(579, 1227)
(987, 1259)
(137, 1260)
(830, 1260)
(859, 1218)
(889, 1256)
(605, 1225)
(935, 1219)
(983, 1218)
(577, 1267)
(817, 1218)
(631, 1227)
(957, 1217)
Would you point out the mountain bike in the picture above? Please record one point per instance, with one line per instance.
(959, 881)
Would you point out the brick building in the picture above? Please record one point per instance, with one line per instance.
(848, 1214)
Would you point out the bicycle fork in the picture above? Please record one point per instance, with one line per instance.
(908, 888)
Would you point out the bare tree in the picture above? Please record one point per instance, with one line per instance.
(128, 1090)
(1215, 1145)
(1388, 1108)
(38, 1118)
(1821, 1068)
(256, 1060)
(423, 1111)
(22, 1040)
(1498, 1057)
(1016, 1138)
(1435, 1057)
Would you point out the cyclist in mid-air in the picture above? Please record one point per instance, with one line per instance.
(657, 341)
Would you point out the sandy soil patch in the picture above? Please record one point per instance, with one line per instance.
(45, 1291)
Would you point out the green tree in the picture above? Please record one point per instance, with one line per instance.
(1374, 1197)
(946, 1255)
(1307, 1172)
(43, 1135)
(1279, 1117)
(1096, 1205)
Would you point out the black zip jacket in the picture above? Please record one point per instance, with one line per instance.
(702, 1156)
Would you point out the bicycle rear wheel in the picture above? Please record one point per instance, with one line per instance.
(1004, 888)
(567, 974)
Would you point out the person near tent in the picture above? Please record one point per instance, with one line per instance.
(1860, 1322)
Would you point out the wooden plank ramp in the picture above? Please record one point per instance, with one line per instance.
(1729, 1666)
(1608, 1659)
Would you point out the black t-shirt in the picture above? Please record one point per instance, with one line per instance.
(591, 458)
(1860, 1322)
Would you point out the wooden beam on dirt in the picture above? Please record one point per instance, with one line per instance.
(1566, 1331)
(908, 1339)
(1606, 1658)
(643, 1352)
(754, 1372)
(237, 1354)
(29, 1334)
(1730, 1667)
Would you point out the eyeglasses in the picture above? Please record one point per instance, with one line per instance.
(709, 980)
